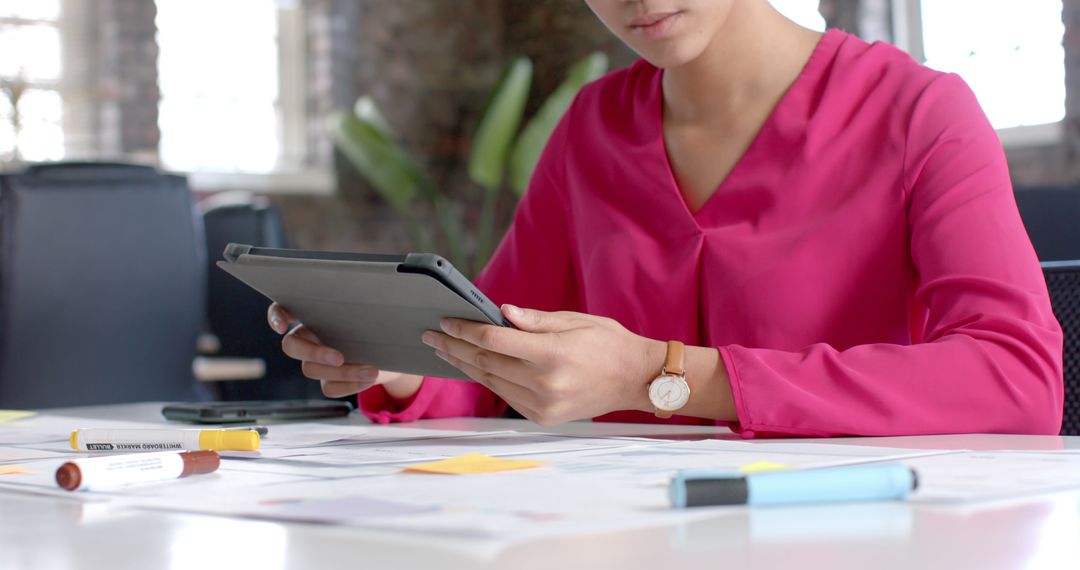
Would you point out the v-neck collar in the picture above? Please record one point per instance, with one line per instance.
(823, 52)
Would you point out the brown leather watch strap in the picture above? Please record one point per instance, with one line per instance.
(674, 363)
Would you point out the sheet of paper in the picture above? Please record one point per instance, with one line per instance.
(15, 470)
(656, 464)
(763, 466)
(309, 434)
(19, 436)
(7, 416)
(10, 454)
(473, 464)
(65, 424)
(380, 447)
(45, 428)
(988, 476)
(355, 477)
(590, 489)
(339, 510)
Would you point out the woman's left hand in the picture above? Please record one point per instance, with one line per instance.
(556, 367)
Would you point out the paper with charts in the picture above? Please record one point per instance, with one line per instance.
(516, 486)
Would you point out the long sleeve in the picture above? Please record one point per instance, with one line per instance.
(532, 268)
(985, 353)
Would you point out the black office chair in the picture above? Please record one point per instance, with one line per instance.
(101, 286)
(1052, 218)
(1063, 280)
(236, 314)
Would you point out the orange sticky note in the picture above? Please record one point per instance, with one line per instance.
(762, 466)
(14, 470)
(472, 464)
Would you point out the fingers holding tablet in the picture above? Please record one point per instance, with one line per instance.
(367, 308)
(302, 344)
(279, 318)
(320, 362)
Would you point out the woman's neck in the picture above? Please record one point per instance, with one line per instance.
(752, 61)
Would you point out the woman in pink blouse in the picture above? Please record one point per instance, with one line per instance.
(827, 225)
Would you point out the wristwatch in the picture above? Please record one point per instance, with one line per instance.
(669, 391)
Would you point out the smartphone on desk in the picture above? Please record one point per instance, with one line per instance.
(253, 410)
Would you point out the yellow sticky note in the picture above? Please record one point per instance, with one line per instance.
(762, 466)
(14, 470)
(473, 463)
(12, 415)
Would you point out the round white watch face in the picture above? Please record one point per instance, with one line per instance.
(669, 392)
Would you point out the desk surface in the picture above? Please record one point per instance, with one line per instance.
(1039, 532)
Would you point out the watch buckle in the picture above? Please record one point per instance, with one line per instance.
(664, 372)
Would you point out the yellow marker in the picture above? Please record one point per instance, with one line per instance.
(164, 440)
(762, 466)
(472, 464)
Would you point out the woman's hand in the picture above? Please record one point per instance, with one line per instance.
(320, 362)
(556, 367)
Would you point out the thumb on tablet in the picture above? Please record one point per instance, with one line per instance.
(279, 318)
(531, 320)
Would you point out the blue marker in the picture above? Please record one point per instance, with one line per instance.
(876, 482)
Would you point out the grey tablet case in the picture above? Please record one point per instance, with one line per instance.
(372, 308)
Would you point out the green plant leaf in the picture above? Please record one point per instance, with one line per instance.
(499, 125)
(366, 110)
(364, 137)
(526, 151)
(387, 166)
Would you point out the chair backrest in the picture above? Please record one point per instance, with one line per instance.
(236, 314)
(101, 286)
(1052, 218)
(1063, 281)
(230, 303)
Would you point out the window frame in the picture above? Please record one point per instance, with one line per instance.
(294, 172)
(908, 36)
(56, 85)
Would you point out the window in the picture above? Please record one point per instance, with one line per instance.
(232, 82)
(803, 12)
(31, 108)
(218, 74)
(1011, 56)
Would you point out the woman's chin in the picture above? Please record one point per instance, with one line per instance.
(670, 56)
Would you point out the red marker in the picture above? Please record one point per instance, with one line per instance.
(119, 470)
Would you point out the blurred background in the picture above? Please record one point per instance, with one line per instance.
(374, 126)
(236, 93)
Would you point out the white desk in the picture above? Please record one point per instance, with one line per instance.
(41, 533)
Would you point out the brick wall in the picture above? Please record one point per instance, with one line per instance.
(556, 34)
(430, 67)
(127, 77)
(110, 82)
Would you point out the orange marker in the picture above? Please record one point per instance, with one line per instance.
(119, 470)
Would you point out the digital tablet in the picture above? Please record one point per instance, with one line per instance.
(249, 411)
(372, 308)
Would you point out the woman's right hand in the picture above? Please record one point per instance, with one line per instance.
(328, 366)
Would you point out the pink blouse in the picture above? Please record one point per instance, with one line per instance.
(862, 270)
